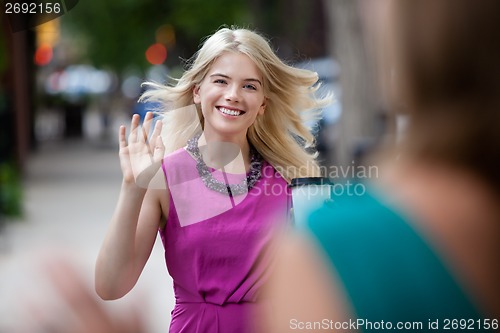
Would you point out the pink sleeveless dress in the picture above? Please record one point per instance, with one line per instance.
(217, 248)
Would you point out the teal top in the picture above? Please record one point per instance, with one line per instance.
(389, 271)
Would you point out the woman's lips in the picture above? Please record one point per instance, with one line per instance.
(230, 111)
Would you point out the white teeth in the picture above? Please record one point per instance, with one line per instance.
(229, 112)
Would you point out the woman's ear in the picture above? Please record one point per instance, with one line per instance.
(262, 108)
(196, 94)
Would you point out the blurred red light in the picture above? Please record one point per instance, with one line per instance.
(43, 55)
(156, 54)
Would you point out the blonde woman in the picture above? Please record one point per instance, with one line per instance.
(226, 164)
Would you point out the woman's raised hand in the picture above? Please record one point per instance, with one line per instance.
(140, 156)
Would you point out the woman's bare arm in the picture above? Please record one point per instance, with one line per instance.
(303, 289)
(134, 224)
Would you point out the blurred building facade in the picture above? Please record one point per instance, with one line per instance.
(17, 77)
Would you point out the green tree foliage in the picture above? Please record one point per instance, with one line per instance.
(10, 191)
(119, 31)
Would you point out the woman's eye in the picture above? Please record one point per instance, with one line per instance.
(250, 86)
(220, 81)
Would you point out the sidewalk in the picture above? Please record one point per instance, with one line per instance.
(70, 191)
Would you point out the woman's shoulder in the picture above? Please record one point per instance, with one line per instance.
(270, 171)
(179, 156)
(378, 252)
(353, 204)
(352, 222)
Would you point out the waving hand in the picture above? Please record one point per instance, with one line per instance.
(140, 155)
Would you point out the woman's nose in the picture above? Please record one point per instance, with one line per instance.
(232, 93)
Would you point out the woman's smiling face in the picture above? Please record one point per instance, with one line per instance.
(231, 96)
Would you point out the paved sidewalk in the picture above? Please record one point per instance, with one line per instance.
(70, 191)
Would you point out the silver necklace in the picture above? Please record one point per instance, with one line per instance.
(230, 189)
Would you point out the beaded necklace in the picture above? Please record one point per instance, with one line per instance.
(231, 189)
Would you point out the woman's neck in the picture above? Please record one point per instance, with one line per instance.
(221, 151)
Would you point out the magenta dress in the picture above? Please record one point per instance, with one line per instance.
(217, 248)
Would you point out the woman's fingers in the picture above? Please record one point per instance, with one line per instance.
(156, 133)
(148, 120)
(159, 149)
(141, 151)
(157, 129)
(121, 137)
(134, 128)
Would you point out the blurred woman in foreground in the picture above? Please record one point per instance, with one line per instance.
(421, 248)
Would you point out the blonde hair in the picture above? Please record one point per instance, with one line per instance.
(279, 135)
